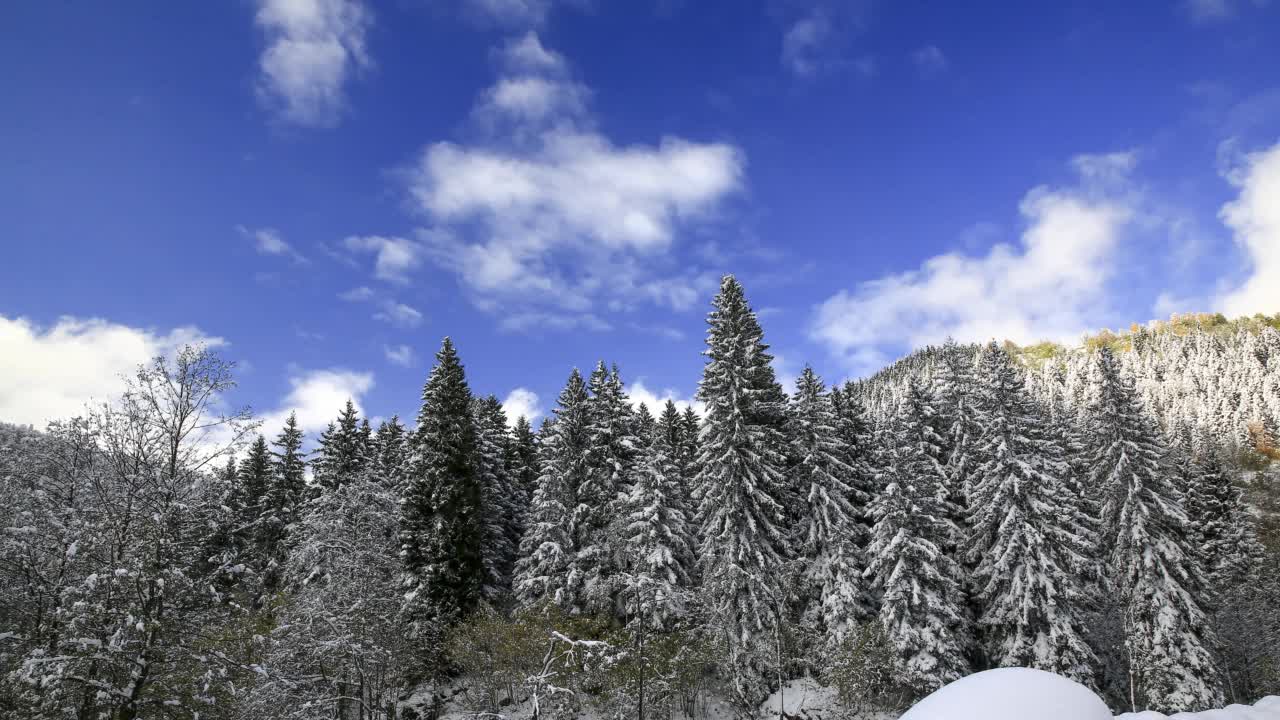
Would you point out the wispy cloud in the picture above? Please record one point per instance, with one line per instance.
(356, 294)
(269, 241)
(399, 314)
(551, 215)
(394, 257)
(401, 355)
(313, 47)
(930, 60)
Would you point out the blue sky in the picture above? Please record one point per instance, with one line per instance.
(327, 187)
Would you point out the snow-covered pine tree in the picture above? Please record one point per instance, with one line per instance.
(740, 479)
(522, 462)
(645, 425)
(918, 583)
(1221, 526)
(1028, 538)
(441, 532)
(656, 530)
(502, 505)
(1151, 564)
(829, 532)
(955, 388)
(611, 450)
(282, 507)
(391, 445)
(549, 548)
(857, 438)
(342, 451)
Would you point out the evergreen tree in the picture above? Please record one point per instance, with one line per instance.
(254, 480)
(857, 438)
(656, 532)
(391, 448)
(919, 584)
(441, 529)
(343, 450)
(1151, 564)
(1221, 527)
(740, 478)
(645, 425)
(548, 551)
(829, 531)
(955, 389)
(1028, 538)
(522, 460)
(502, 505)
(611, 447)
(285, 498)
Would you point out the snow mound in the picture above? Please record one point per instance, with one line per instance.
(1268, 708)
(1012, 694)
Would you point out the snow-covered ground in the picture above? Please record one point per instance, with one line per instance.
(1004, 694)
(1268, 708)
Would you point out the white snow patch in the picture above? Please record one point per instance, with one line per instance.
(1011, 694)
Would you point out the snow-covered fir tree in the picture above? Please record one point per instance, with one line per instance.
(1151, 563)
(1028, 537)
(441, 529)
(548, 551)
(522, 459)
(739, 485)
(391, 449)
(611, 450)
(503, 503)
(830, 533)
(655, 528)
(918, 583)
(1220, 525)
(343, 450)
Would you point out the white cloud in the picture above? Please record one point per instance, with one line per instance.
(550, 213)
(399, 314)
(1254, 216)
(522, 401)
(317, 396)
(511, 13)
(1045, 286)
(269, 241)
(401, 355)
(930, 60)
(312, 48)
(1208, 11)
(394, 257)
(50, 373)
(802, 42)
(356, 294)
(640, 394)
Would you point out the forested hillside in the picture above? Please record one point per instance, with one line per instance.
(1107, 512)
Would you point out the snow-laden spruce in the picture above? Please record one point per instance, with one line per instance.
(548, 551)
(830, 533)
(919, 584)
(740, 481)
(1028, 536)
(655, 531)
(441, 535)
(1151, 563)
